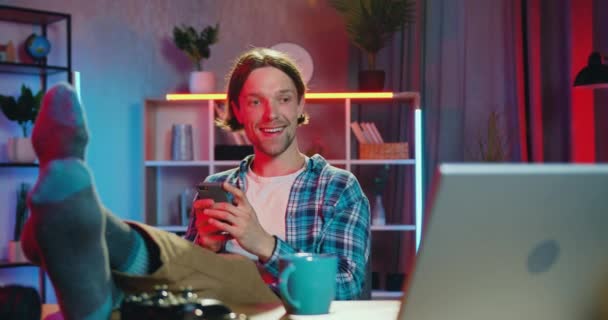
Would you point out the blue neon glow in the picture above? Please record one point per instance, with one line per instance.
(418, 172)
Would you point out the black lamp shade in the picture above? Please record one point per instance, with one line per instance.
(594, 75)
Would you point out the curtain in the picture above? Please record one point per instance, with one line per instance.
(515, 59)
(472, 73)
(464, 56)
(471, 70)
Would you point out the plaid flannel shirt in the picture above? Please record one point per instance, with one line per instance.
(327, 212)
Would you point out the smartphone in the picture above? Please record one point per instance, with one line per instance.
(212, 190)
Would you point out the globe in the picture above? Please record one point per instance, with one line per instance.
(37, 46)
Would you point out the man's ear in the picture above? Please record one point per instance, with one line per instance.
(235, 112)
(301, 106)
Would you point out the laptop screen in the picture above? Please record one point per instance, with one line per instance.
(512, 241)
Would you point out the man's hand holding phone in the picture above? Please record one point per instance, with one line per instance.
(236, 217)
(209, 235)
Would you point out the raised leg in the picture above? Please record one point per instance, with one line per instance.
(69, 233)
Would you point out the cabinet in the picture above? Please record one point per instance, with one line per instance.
(25, 19)
(331, 116)
(11, 174)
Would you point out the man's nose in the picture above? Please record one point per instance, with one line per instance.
(271, 110)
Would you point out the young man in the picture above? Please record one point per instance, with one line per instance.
(284, 202)
(92, 257)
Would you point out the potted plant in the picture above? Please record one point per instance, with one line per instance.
(196, 46)
(370, 24)
(23, 110)
(15, 252)
(493, 148)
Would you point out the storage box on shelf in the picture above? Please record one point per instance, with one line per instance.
(382, 151)
(166, 180)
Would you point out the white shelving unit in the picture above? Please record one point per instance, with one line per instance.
(166, 179)
(386, 295)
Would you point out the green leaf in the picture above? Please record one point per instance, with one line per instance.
(196, 45)
(24, 109)
(9, 107)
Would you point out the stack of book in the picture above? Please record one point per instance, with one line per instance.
(372, 145)
(366, 132)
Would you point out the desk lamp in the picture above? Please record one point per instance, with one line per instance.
(594, 75)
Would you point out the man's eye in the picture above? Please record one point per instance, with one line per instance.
(285, 99)
(253, 102)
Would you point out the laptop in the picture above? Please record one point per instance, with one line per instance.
(512, 241)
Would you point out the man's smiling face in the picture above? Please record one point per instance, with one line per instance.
(269, 110)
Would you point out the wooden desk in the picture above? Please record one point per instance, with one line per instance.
(342, 310)
(339, 310)
(41, 277)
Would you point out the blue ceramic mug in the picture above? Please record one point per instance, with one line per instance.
(307, 282)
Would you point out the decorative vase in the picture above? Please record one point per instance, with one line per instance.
(181, 143)
(378, 213)
(20, 150)
(371, 80)
(202, 82)
(15, 252)
(186, 198)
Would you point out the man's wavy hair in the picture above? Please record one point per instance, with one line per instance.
(244, 65)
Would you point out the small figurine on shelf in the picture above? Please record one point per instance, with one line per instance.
(378, 212)
(24, 111)
(7, 52)
(21, 211)
(186, 198)
(11, 52)
(15, 253)
(2, 52)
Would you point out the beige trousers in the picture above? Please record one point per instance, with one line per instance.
(234, 280)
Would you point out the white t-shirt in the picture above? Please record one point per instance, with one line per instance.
(268, 196)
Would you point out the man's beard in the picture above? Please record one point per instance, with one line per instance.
(276, 149)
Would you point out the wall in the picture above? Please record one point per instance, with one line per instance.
(124, 53)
